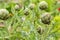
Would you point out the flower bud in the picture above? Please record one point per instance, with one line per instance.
(31, 6)
(46, 18)
(43, 5)
(40, 30)
(26, 11)
(17, 7)
(4, 14)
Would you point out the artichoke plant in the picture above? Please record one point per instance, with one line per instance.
(29, 20)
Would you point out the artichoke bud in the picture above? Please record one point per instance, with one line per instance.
(31, 6)
(46, 18)
(40, 30)
(26, 11)
(4, 14)
(43, 5)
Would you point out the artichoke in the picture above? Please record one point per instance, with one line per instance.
(31, 6)
(26, 11)
(46, 18)
(43, 5)
(17, 7)
(4, 14)
(40, 30)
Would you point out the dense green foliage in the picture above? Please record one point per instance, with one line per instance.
(28, 20)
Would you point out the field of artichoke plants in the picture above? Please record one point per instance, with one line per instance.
(29, 19)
